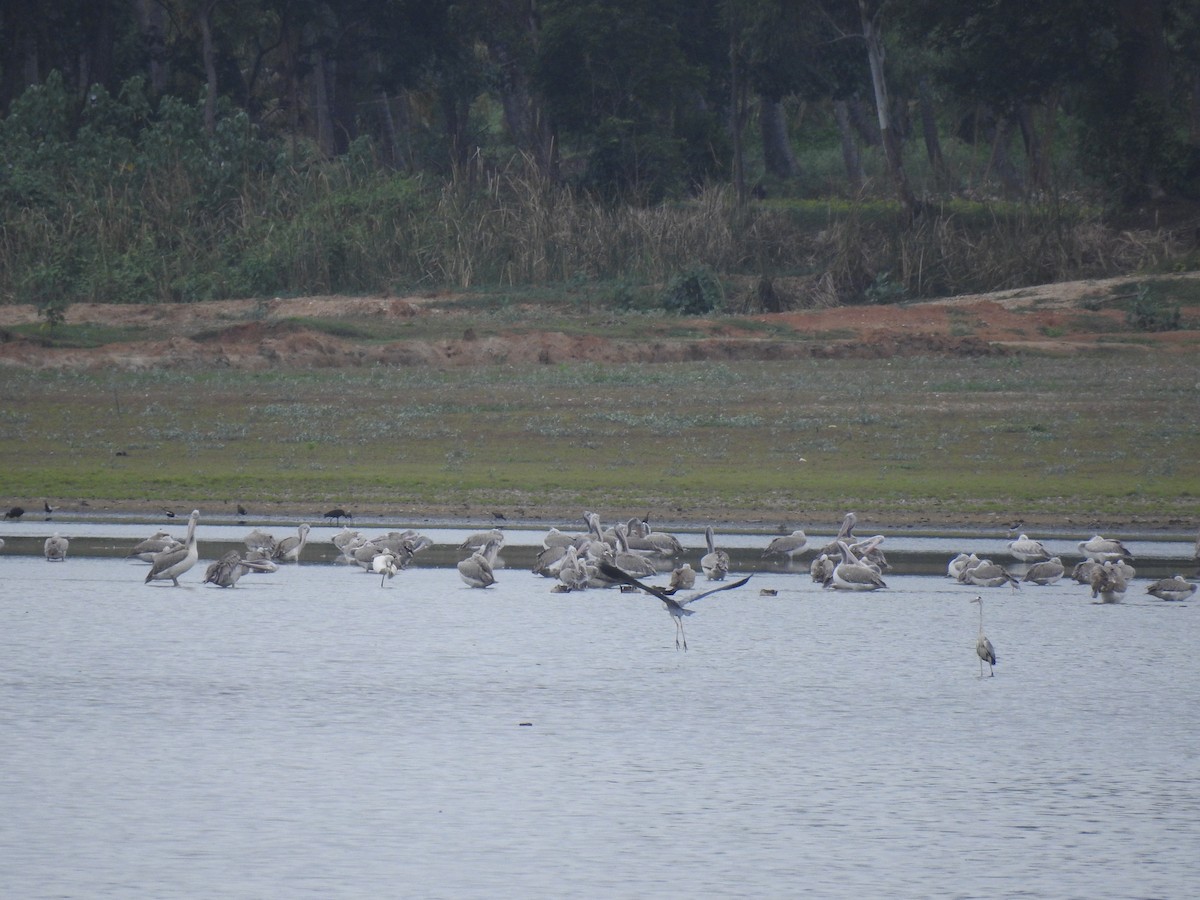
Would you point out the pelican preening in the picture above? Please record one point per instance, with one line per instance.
(983, 647)
(1108, 582)
(476, 570)
(226, 571)
(677, 608)
(55, 548)
(173, 562)
(853, 573)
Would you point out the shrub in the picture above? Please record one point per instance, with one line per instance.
(693, 293)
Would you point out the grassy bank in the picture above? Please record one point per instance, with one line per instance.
(1081, 440)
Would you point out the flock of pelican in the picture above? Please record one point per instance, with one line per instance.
(627, 552)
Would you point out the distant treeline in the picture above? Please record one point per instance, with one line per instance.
(187, 149)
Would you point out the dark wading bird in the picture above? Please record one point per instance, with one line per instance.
(338, 514)
(676, 608)
(983, 647)
(15, 512)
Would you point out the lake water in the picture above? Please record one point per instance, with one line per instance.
(312, 734)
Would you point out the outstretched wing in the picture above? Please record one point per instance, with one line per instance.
(724, 587)
(608, 570)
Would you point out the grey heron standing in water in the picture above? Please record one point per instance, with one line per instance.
(983, 647)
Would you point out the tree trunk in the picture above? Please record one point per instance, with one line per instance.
(778, 156)
(737, 114)
(1146, 59)
(929, 130)
(891, 142)
(1001, 160)
(209, 53)
(850, 155)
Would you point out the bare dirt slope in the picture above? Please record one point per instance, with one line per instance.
(1058, 318)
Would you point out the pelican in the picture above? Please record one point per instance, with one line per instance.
(1083, 571)
(634, 564)
(983, 647)
(260, 540)
(677, 609)
(1108, 584)
(715, 563)
(683, 578)
(821, 568)
(476, 569)
(1103, 549)
(852, 574)
(955, 567)
(156, 543)
(226, 571)
(171, 563)
(384, 565)
(845, 534)
(643, 539)
(1026, 549)
(1171, 588)
(1045, 572)
(986, 573)
(55, 548)
(573, 572)
(787, 545)
(481, 539)
(1, 543)
(290, 548)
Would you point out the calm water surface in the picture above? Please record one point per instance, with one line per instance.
(311, 734)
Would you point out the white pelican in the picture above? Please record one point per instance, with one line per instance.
(1172, 588)
(852, 574)
(677, 608)
(715, 563)
(1046, 572)
(983, 647)
(1026, 549)
(55, 548)
(787, 545)
(573, 572)
(171, 563)
(1083, 571)
(1102, 549)
(290, 548)
(635, 564)
(643, 539)
(384, 565)
(845, 534)
(260, 540)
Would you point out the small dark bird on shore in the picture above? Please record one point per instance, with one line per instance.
(170, 513)
(15, 512)
(338, 513)
(49, 509)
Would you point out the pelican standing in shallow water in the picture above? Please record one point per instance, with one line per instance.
(55, 548)
(678, 609)
(715, 563)
(290, 548)
(170, 564)
(787, 545)
(983, 647)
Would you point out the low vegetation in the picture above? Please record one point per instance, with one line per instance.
(1080, 440)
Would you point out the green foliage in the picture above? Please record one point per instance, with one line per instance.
(696, 292)
(884, 290)
(1147, 311)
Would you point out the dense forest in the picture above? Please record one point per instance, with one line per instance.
(191, 149)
